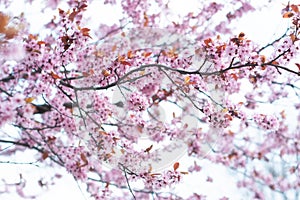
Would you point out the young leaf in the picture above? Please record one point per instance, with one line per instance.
(149, 148)
(295, 8)
(298, 65)
(176, 166)
(84, 159)
(55, 76)
(105, 73)
(241, 36)
(124, 62)
(130, 54)
(45, 155)
(234, 76)
(3, 22)
(288, 15)
(85, 32)
(29, 99)
(73, 15)
(147, 54)
(187, 79)
(146, 22)
(208, 42)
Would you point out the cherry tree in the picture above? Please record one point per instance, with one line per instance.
(117, 105)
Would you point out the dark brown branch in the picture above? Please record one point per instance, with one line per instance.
(272, 43)
(31, 147)
(20, 163)
(5, 92)
(127, 181)
(8, 78)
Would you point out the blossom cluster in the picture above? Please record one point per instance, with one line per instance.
(60, 93)
(266, 122)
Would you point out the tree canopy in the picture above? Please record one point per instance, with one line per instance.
(118, 103)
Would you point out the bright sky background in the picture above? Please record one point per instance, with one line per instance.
(259, 26)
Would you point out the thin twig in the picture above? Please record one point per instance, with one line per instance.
(127, 181)
(20, 163)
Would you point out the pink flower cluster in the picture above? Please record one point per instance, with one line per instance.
(266, 122)
(76, 161)
(217, 119)
(137, 102)
(159, 181)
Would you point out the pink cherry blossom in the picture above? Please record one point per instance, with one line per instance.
(111, 103)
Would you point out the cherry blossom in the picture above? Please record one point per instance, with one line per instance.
(107, 103)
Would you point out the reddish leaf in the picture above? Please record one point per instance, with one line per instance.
(124, 62)
(263, 58)
(82, 7)
(83, 158)
(32, 37)
(3, 22)
(147, 54)
(146, 22)
(241, 36)
(105, 73)
(298, 65)
(155, 174)
(292, 170)
(293, 37)
(232, 155)
(103, 133)
(51, 138)
(229, 117)
(283, 115)
(66, 41)
(55, 76)
(150, 169)
(231, 133)
(45, 155)
(295, 8)
(60, 11)
(10, 33)
(130, 54)
(149, 148)
(73, 15)
(221, 48)
(275, 63)
(41, 43)
(92, 71)
(114, 48)
(140, 129)
(175, 24)
(235, 40)
(288, 15)
(176, 166)
(234, 76)
(272, 187)
(208, 42)
(85, 32)
(29, 99)
(85, 74)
